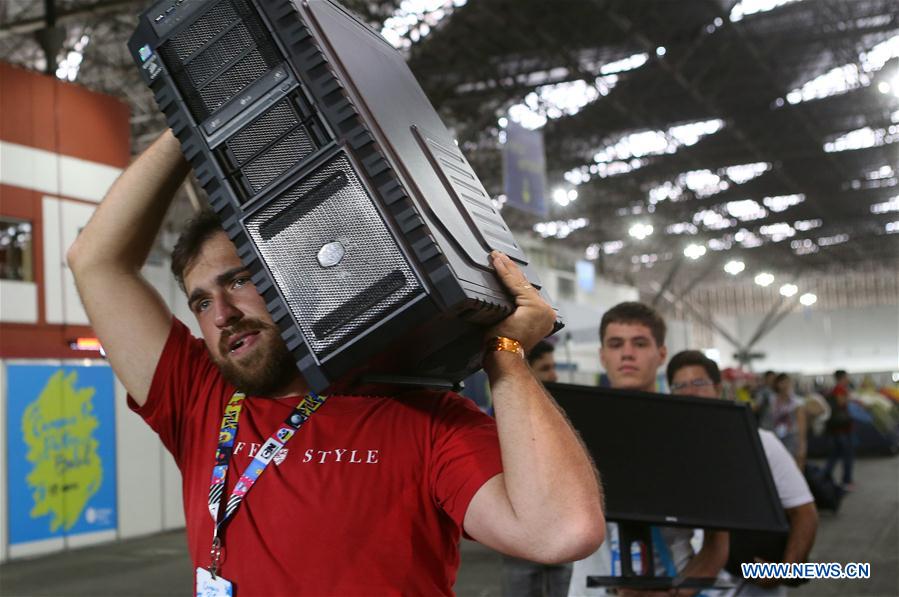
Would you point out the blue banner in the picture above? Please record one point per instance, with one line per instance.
(60, 435)
(524, 169)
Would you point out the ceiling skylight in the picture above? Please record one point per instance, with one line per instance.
(804, 246)
(806, 225)
(886, 207)
(834, 82)
(712, 220)
(745, 210)
(559, 229)
(748, 239)
(778, 232)
(745, 8)
(847, 77)
(681, 228)
(68, 66)
(705, 183)
(826, 241)
(862, 139)
(566, 98)
(781, 203)
(414, 19)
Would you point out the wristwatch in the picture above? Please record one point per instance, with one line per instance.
(498, 343)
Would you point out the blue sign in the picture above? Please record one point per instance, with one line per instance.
(60, 435)
(524, 169)
(586, 275)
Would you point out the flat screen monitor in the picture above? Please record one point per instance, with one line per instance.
(675, 460)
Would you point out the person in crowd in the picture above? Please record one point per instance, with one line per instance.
(691, 373)
(632, 349)
(764, 394)
(523, 578)
(373, 492)
(785, 416)
(839, 429)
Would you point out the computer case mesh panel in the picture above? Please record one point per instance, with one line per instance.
(364, 227)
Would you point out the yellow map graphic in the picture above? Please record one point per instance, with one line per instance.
(58, 429)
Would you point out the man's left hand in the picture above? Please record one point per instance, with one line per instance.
(533, 318)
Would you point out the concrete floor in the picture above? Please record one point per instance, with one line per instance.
(865, 530)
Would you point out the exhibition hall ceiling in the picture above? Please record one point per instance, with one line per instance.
(681, 136)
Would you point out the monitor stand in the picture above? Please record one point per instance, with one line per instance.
(641, 533)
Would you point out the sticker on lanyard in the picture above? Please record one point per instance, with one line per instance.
(212, 586)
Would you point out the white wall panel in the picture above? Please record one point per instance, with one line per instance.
(52, 243)
(139, 472)
(18, 301)
(48, 172)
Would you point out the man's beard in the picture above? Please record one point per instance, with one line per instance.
(267, 369)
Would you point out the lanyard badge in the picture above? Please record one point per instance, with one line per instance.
(228, 431)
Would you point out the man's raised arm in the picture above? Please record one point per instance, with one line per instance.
(547, 504)
(127, 314)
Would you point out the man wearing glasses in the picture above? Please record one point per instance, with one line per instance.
(691, 373)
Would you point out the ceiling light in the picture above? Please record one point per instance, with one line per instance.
(764, 279)
(694, 251)
(826, 241)
(734, 267)
(892, 227)
(640, 230)
(789, 290)
(808, 299)
(661, 51)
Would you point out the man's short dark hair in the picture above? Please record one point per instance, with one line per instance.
(840, 374)
(768, 374)
(688, 358)
(196, 232)
(634, 312)
(541, 348)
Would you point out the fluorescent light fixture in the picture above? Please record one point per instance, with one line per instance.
(694, 251)
(564, 197)
(734, 267)
(640, 230)
(808, 299)
(892, 227)
(764, 279)
(789, 290)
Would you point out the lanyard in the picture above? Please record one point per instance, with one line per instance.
(296, 419)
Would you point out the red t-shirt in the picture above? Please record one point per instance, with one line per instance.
(368, 499)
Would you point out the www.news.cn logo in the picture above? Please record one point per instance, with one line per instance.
(806, 570)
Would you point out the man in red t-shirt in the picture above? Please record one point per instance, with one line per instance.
(839, 429)
(373, 493)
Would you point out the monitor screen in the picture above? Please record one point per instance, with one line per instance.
(675, 460)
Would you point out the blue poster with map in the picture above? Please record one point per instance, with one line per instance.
(60, 435)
